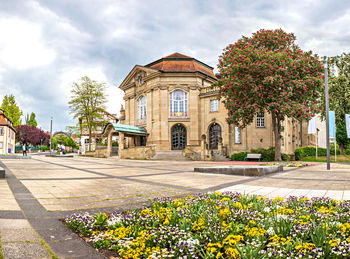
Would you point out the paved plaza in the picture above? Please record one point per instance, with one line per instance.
(37, 192)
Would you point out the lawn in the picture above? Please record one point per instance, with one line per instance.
(226, 225)
(340, 159)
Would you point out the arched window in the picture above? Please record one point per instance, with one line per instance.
(178, 104)
(141, 110)
(214, 135)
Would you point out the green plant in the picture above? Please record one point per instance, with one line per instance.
(302, 152)
(239, 156)
(101, 219)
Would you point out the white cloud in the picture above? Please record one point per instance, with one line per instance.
(21, 45)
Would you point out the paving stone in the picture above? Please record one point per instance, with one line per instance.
(18, 235)
(24, 250)
(74, 249)
(14, 224)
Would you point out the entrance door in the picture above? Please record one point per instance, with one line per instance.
(214, 135)
(178, 137)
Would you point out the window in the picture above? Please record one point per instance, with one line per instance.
(237, 135)
(1, 131)
(260, 120)
(213, 105)
(141, 110)
(178, 104)
(140, 80)
(1, 145)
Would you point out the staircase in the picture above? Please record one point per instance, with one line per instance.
(218, 157)
(173, 155)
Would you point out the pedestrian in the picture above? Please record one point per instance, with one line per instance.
(24, 149)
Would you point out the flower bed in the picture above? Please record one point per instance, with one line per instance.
(226, 225)
(287, 164)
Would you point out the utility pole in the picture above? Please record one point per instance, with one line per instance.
(327, 114)
(50, 135)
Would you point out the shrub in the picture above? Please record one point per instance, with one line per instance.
(239, 156)
(347, 151)
(266, 155)
(302, 152)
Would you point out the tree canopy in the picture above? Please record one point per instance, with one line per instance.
(87, 103)
(339, 92)
(32, 135)
(30, 120)
(12, 110)
(268, 72)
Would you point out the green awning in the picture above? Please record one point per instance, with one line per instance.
(128, 129)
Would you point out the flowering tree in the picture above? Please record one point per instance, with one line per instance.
(268, 72)
(32, 135)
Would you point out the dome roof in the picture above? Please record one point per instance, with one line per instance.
(178, 62)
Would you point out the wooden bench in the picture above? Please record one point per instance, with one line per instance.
(253, 156)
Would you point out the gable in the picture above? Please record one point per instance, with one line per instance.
(137, 72)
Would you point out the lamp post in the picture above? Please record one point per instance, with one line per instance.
(327, 114)
(50, 135)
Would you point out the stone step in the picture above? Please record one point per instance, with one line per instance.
(175, 155)
(219, 157)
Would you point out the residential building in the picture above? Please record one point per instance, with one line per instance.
(7, 135)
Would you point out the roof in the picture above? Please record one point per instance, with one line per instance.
(178, 62)
(126, 129)
(61, 133)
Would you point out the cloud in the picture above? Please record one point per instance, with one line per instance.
(47, 45)
(21, 45)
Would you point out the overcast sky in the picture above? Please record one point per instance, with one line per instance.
(46, 45)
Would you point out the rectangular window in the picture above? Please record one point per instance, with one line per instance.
(1, 131)
(260, 120)
(1, 145)
(237, 135)
(213, 105)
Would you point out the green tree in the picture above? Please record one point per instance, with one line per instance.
(339, 92)
(31, 121)
(87, 103)
(12, 110)
(268, 72)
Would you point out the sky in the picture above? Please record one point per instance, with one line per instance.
(47, 45)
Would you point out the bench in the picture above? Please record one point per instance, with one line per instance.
(253, 156)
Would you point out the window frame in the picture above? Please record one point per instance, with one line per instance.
(260, 120)
(2, 131)
(141, 110)
(239, 141)
(178, 104)
(216, 105)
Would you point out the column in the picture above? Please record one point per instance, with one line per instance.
(109, 145)
(120, 144)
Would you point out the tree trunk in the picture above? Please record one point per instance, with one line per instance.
(342, 148)
(277, 132)
(90, 138)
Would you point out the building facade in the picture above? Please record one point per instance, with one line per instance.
(96, 133)
(7, 135)
(172, 99)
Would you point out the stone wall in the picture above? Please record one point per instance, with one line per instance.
(141, 152)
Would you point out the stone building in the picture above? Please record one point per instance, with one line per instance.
(172, 99)
(96, 133)
(7, 135)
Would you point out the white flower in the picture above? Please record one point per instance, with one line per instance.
(113, 221)
(271, 231)
(267, 209)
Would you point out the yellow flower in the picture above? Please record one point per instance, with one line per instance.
(232, 252)
(232, 240)
(333, 242)
(224, 212)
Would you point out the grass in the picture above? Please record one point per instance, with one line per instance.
(1, 254)
(340, 159)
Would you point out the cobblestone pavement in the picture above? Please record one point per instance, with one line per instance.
(39, 191)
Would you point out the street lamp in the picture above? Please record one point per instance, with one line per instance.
(327, 114)
(50, 135)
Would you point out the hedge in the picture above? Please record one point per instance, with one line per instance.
(302, 152)
(266, 155)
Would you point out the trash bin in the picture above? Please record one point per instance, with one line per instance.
(9, 151)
